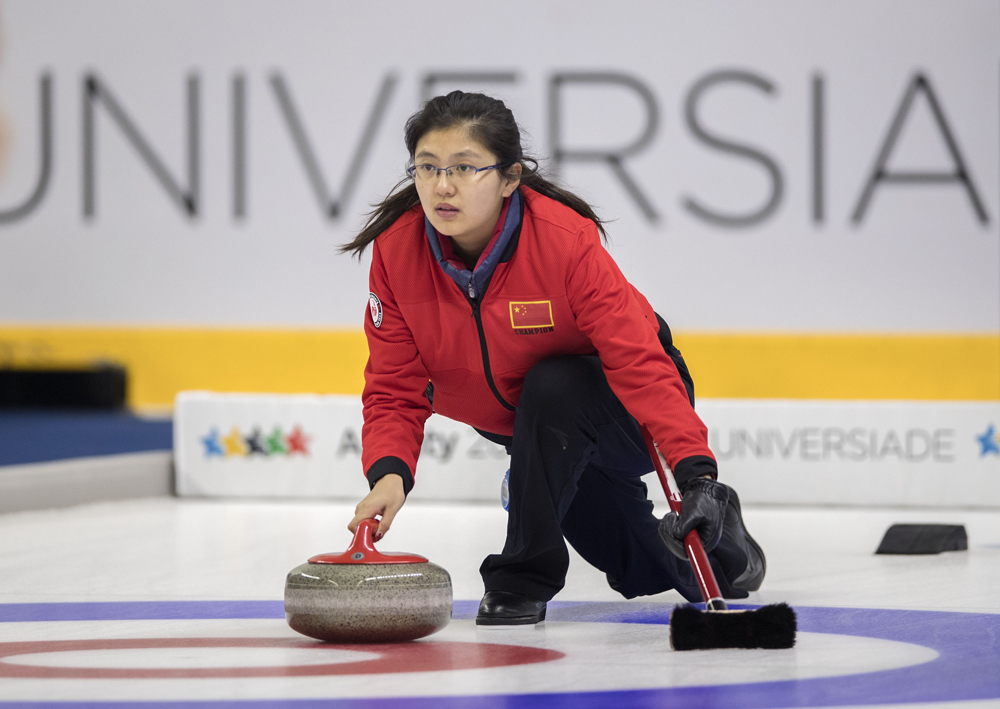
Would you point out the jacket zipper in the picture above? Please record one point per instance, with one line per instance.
(482, 346)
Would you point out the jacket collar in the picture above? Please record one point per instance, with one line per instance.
(474, 283)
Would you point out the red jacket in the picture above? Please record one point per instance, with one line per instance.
(554, 290)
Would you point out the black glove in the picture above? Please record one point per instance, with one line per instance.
(703, 507)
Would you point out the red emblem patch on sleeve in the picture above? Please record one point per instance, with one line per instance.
(375, 305)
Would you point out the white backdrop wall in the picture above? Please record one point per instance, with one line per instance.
(732, 143)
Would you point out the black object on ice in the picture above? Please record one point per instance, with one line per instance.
(770, 627)
(923, 539)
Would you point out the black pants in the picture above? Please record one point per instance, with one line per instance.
(576, 460)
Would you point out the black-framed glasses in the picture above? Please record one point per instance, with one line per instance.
(458, 173)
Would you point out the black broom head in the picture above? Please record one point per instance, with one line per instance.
(770, 627)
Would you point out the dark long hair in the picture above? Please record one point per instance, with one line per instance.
(490, 123)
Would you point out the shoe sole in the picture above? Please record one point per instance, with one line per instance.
(516, 620)
(733, 497)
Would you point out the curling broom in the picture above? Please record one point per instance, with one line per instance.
(771, 627)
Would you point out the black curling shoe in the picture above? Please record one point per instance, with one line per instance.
(737, 555)
(508, 608)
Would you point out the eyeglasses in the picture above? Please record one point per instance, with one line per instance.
(456, 173)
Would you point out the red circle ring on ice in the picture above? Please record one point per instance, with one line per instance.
(400, 657)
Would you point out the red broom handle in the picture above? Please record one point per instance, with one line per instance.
(692, 542)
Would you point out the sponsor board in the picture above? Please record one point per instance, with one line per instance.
(309, 446)
(858, 452)
(773, 452)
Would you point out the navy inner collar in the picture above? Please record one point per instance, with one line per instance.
(474, 282)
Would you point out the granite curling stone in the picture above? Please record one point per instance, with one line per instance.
(365, 596)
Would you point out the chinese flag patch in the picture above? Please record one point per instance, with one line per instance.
(536, 313)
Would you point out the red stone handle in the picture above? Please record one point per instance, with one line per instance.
(362, 550)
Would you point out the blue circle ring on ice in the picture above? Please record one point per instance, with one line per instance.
(967, 666)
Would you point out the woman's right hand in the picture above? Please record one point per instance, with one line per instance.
(385, 499)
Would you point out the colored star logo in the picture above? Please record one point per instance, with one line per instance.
(989, 441)
(518, 309)
(297, 441)
(276, 442)
(211, 442)
(254, 444)
(234, 443)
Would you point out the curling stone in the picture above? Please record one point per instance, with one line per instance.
(365, 596)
